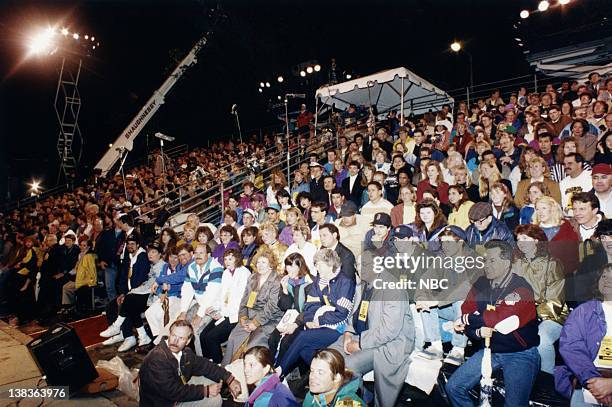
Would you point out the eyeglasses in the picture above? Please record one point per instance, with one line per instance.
(480, 220)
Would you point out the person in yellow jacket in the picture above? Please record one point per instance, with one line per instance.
(82, 279)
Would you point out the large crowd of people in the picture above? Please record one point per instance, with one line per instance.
(282, 281)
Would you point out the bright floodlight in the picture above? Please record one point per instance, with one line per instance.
(41, 42)
(35, 186)
(86, 37)
(524, 14)
(564, 2)
(260, 90)
(65, 31)
(348, 76)
(267, 84)
(543, 5)
(456, 46)
(280, 79)
(302, 73)
(261, 84)
(317, 68)
(309, 69)
(75, 36)
(279, 98)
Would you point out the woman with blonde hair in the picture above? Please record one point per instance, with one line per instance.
(561, 234)
(489, 175)
(461, 204)
(537, 171)
(404, 212)
(277, 182)
(259, 312)
(536, 190)
(299, 184)
(294, 218)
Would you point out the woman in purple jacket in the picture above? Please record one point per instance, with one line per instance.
(229, 240)
(579, 345)
(270, 390)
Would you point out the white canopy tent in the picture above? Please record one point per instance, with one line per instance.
(384, 90)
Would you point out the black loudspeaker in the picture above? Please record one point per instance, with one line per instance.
(60, 355)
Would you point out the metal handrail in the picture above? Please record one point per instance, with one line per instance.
(214, 212)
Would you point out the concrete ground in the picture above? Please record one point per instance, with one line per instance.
(18, 370)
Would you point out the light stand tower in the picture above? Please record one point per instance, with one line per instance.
(67, 105)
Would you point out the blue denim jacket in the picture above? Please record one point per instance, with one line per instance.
(579, 344)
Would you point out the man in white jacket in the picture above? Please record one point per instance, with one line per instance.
(202, 286)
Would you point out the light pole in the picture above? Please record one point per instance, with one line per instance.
(457, 47)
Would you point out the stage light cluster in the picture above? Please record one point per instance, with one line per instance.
(46, 41)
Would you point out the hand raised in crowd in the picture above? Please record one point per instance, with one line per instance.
(181, 316)
(154, 288)
(120, 299)
(166, 287)
(103, 265)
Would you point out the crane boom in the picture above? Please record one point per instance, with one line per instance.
(129, 134)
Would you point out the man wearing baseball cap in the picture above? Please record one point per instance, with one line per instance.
(352, 227)
(133, 285)
(602, 187)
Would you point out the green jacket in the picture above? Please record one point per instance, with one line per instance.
(345, 397)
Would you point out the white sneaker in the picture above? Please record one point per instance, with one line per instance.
(110, 331)
(113, 340)
(455, 356)
(144, 340)
(128, 343)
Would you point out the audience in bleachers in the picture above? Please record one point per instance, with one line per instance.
(279, 274)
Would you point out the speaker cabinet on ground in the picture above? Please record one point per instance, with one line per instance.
(60, 355)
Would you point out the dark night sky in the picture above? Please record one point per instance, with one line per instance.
(259, 41)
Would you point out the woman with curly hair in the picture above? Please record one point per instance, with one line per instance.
(258, 313)
(429, 221)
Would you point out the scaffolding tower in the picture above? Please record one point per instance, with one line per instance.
(67, 106)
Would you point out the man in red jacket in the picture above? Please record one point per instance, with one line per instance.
(494, 298)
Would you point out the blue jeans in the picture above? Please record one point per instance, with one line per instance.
(520, 371)
(110, 279)
(578, 400)
(549, 332)
(431, 324)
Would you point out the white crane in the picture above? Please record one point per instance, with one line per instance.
(125, 141)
